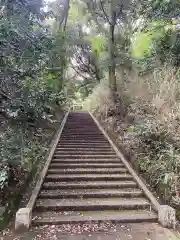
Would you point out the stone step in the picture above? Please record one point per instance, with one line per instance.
(86, 150)
(56, 159)
(88, 170)
(89, 185)
(83, 147)
(91, 131)
(90, 156)
(133, 216)
(87, 177)
(83, 141)
(91, 204)
(84, 154)
(80, 131)
(89, 193)
(84, 134)
(82, 138)
(86, 165)
(72, 124)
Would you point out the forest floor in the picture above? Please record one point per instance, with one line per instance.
(145, 231)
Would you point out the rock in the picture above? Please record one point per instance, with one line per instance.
(23, 219)
(167, 216)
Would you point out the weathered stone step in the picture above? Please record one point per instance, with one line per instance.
(87, 177)
(133, 216)
(89, 193)
(83, 134)
(91, 204)
(89, 185)
(81, 149)
(88, 170)
(86, 125)
(90, 156)
(81, 131)
(85, 152)
(83, 146)
(77, 120)
(71, 126)
(86, 165)
(81, 137)
(56, 159)
(83, 141)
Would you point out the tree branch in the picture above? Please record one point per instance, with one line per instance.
(120, 12)
(105, 14)
(80, 74)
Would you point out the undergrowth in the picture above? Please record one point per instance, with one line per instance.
(145, 121)
(21, 148)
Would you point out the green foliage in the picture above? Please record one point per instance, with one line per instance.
(32, 71)
(17, 145)
(157, 40)
(160, 160)
(160, 9)
(98, 43)
(144, 42)
(20, 148)
(32, 62)
(35, 99)
(10, 151)
(4, 175)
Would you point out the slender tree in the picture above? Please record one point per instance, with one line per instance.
(110, 13)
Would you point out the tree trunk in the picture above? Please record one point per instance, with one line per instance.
(62, 23)
(111, 50)
(122, 73)
(66, 13)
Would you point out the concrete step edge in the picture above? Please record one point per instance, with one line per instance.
(87, 171)
(121, 218)
(92, 185)
(80, 194)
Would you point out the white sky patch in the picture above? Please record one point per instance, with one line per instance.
(86, 29)
(46, 2)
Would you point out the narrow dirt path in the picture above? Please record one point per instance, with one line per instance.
(105, 231)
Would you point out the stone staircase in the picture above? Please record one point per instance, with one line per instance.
(87, 181)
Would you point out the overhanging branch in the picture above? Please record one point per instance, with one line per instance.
(105, 14)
